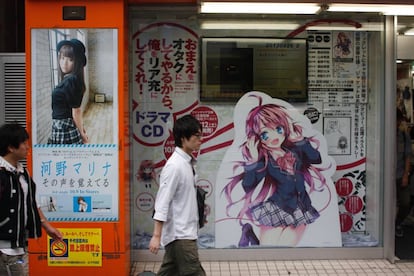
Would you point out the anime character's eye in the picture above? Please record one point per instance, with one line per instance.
(280, 130)
(264, 136)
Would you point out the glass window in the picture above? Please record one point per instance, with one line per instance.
(344, 72)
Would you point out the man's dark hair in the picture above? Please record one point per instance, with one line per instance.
(185, 127)
(11, 135)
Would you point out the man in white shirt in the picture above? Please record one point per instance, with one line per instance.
(176, 213)
(20, 217)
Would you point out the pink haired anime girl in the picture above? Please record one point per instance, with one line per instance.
(343, 45)
(278, 163)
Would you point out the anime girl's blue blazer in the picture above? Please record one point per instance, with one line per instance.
(290, 188)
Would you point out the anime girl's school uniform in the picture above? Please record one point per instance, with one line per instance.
(289, 205)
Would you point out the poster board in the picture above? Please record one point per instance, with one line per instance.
(232, 66)
(44, 17)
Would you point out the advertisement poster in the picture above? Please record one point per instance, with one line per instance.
(75, 123)
(338, 70)
(275, 155)
(165, 86)
(79, 247)
(337, 122)
(338, 66)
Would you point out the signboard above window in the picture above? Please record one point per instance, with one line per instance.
(234, 66)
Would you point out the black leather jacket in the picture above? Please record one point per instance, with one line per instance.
(12, 209)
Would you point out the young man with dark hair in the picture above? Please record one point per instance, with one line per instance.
(176, 213)
(20, 217)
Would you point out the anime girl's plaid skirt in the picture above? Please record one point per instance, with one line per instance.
(270, 214)
(64, 131)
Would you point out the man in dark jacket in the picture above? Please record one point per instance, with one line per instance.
(20, 217)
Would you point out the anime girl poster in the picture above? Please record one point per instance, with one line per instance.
(274, 186)
(343, 48)
(144, 192)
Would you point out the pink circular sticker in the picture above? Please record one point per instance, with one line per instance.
(346, 222)
(169, 146)
(344, 186)
(208, 119)
(206, 186)
(353, 204)
(145, 202)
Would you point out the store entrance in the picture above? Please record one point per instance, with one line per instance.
(404, 238)
(404, 235)
(404, 246)
(404, 241)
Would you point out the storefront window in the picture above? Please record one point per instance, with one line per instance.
(330, 97)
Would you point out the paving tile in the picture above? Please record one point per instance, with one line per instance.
(292, 268)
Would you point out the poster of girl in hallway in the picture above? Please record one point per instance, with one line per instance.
(75, 86)
(67, 115)
(274, 184)
(74, 122)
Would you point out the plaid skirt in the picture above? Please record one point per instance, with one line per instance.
(269, 213)
(64, 131)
